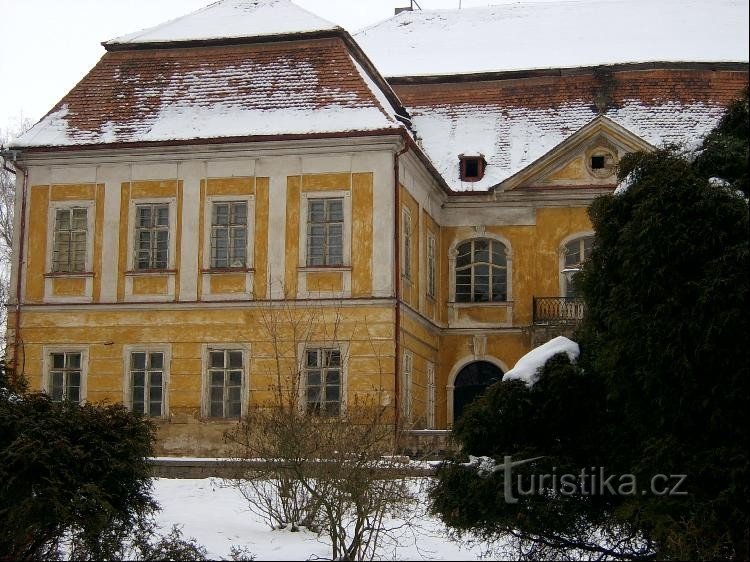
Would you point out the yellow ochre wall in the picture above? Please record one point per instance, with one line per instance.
(368, 328)
(367, 333)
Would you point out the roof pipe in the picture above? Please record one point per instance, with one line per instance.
(21, 247)
(397, 284)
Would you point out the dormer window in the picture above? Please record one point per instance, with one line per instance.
(471, 167)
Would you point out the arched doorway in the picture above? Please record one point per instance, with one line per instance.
(471, 381)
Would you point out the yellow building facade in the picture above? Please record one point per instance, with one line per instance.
(311, 243)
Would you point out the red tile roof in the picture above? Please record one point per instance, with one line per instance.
(514, 121)
(294, 87)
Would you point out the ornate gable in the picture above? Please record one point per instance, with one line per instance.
(587, 158)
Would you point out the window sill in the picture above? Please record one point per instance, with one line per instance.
(219, 270)
(69, 274)
(324, 268)
(137, 272)
(497, 304)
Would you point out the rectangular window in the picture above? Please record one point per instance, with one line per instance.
(323, 381)
(152, 236)
(147, 384)
(407, 244)
(431, 265)
(430, 396)
(69, 244)
(325, 231)
(229, 234)
(225, 374)
(407, 392)
(65, 376)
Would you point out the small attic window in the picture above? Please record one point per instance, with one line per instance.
(471, 167)
(602, 161)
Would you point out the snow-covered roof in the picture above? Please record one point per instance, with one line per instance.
(228, 19)
(575, 33)
(527, 367)
(514, 122)
(262, 89)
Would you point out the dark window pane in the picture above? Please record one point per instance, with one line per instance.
(234, 409)
(74, 394)
(464, 255)
(217, 359)
(58, 360)
(57, 386)
(239, 213)
(138, 394)
(217, 378)
(235, 378)
(143, 213)
(217, 409)
(73, 360)
(154, 409)
(481, 251)
(221, 214)
(332, 393)
(163, 215)
(156, 387)
(312, 358)
(139, 378)
(138, 361)
(333, 358)
(463, 293)
(156, 361)
(313, 378)
(313, 394)
(74, 378)
(235, 359)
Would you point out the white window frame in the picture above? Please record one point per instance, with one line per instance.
(346, 267)
(562, 269)
(206, 382)
(347, 233)
(172, 243)
(431, 396)
(407, 407)
(88, 273)
(127, 397)
(491, 267)
(249, 200)
(453, 255)
(343, 349)
(431, 265)
(153, 228)
(169, 271)
(47, 366)
(406, 237)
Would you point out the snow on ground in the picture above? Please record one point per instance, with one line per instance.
(219, 517)
(527, 367)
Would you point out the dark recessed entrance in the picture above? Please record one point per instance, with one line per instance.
(472, 381)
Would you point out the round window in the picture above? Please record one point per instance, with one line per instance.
(601, 162)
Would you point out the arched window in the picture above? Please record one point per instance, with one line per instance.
(575, 253)
(481, 271)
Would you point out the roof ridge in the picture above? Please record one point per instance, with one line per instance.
(230, 19)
